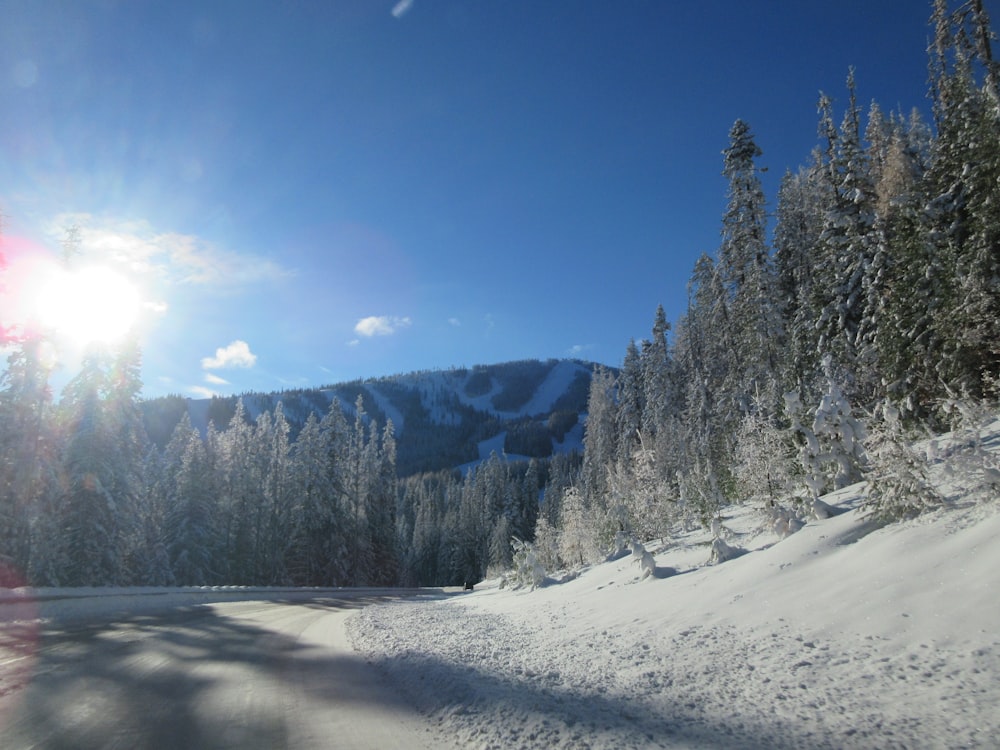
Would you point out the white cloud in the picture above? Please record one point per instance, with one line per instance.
(236, 354)
(455, 322)
(577, 349)
(380, 325)
(202, 392)
(172, 257)
(215, 379)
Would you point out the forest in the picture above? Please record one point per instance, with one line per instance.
(819, 340)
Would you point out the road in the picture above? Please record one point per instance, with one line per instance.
(239, 674)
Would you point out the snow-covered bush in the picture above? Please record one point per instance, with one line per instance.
(784, 521)
(639, 497)
(764, 460)
(527, 572)
(701, 491)
(645, 559)
(721, 552)
(965, 455)
(831, 449)
(620, 546)
(579, 543)
(546, 544)
(898, 482)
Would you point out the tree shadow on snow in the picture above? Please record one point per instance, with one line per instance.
(189, 678)
(541, 710)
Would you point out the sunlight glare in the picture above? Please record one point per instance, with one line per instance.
(92, 304)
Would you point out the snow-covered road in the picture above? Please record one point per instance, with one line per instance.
(235, 674)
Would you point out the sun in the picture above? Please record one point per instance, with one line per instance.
(92, 304)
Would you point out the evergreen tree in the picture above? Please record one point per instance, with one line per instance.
(600, 437)
(317, 550)
(276, 533)
(747, 277)
(382, 509)
(847, 243)
(191, 516)
(964, 183)
(26, 453)
(151, 565)
(703, 354)
(630, 404)
(241, 497)
(89, 513)
(801, 203)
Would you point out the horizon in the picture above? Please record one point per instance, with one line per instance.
(309, 193)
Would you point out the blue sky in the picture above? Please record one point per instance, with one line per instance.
(312, 191)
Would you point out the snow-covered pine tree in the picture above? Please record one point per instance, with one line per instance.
(151, 566)
(964, 184)
(801, 203)
(191, 517)
(241, 498)
(847, 242)
(747, 276)
(703, 354)
(26, 453)
(630, 402)
(276, 533)
(316, 555)
(831, 447)
(382, 509)
(600, 437)
(89, 513)
(660, 391)
(122, 410)
(903, 288)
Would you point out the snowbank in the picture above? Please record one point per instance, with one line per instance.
(842, 635)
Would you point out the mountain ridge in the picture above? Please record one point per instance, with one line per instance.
(443, 419)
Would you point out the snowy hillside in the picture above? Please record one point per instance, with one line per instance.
(842, 635)
(442, 419)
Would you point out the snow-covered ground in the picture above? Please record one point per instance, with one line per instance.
(843, 635)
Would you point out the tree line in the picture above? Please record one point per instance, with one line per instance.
(810, 359)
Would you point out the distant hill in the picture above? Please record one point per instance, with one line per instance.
(443, 419)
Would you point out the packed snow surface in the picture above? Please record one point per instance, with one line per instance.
(842, 635)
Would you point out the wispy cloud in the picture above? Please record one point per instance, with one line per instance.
(202, 392)
(172, 257)
(215, 379)
(455, 322)
(236, 354)
(400, 9)
(577, 349)
(380, 325)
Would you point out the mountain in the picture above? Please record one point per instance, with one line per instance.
(443, 419)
